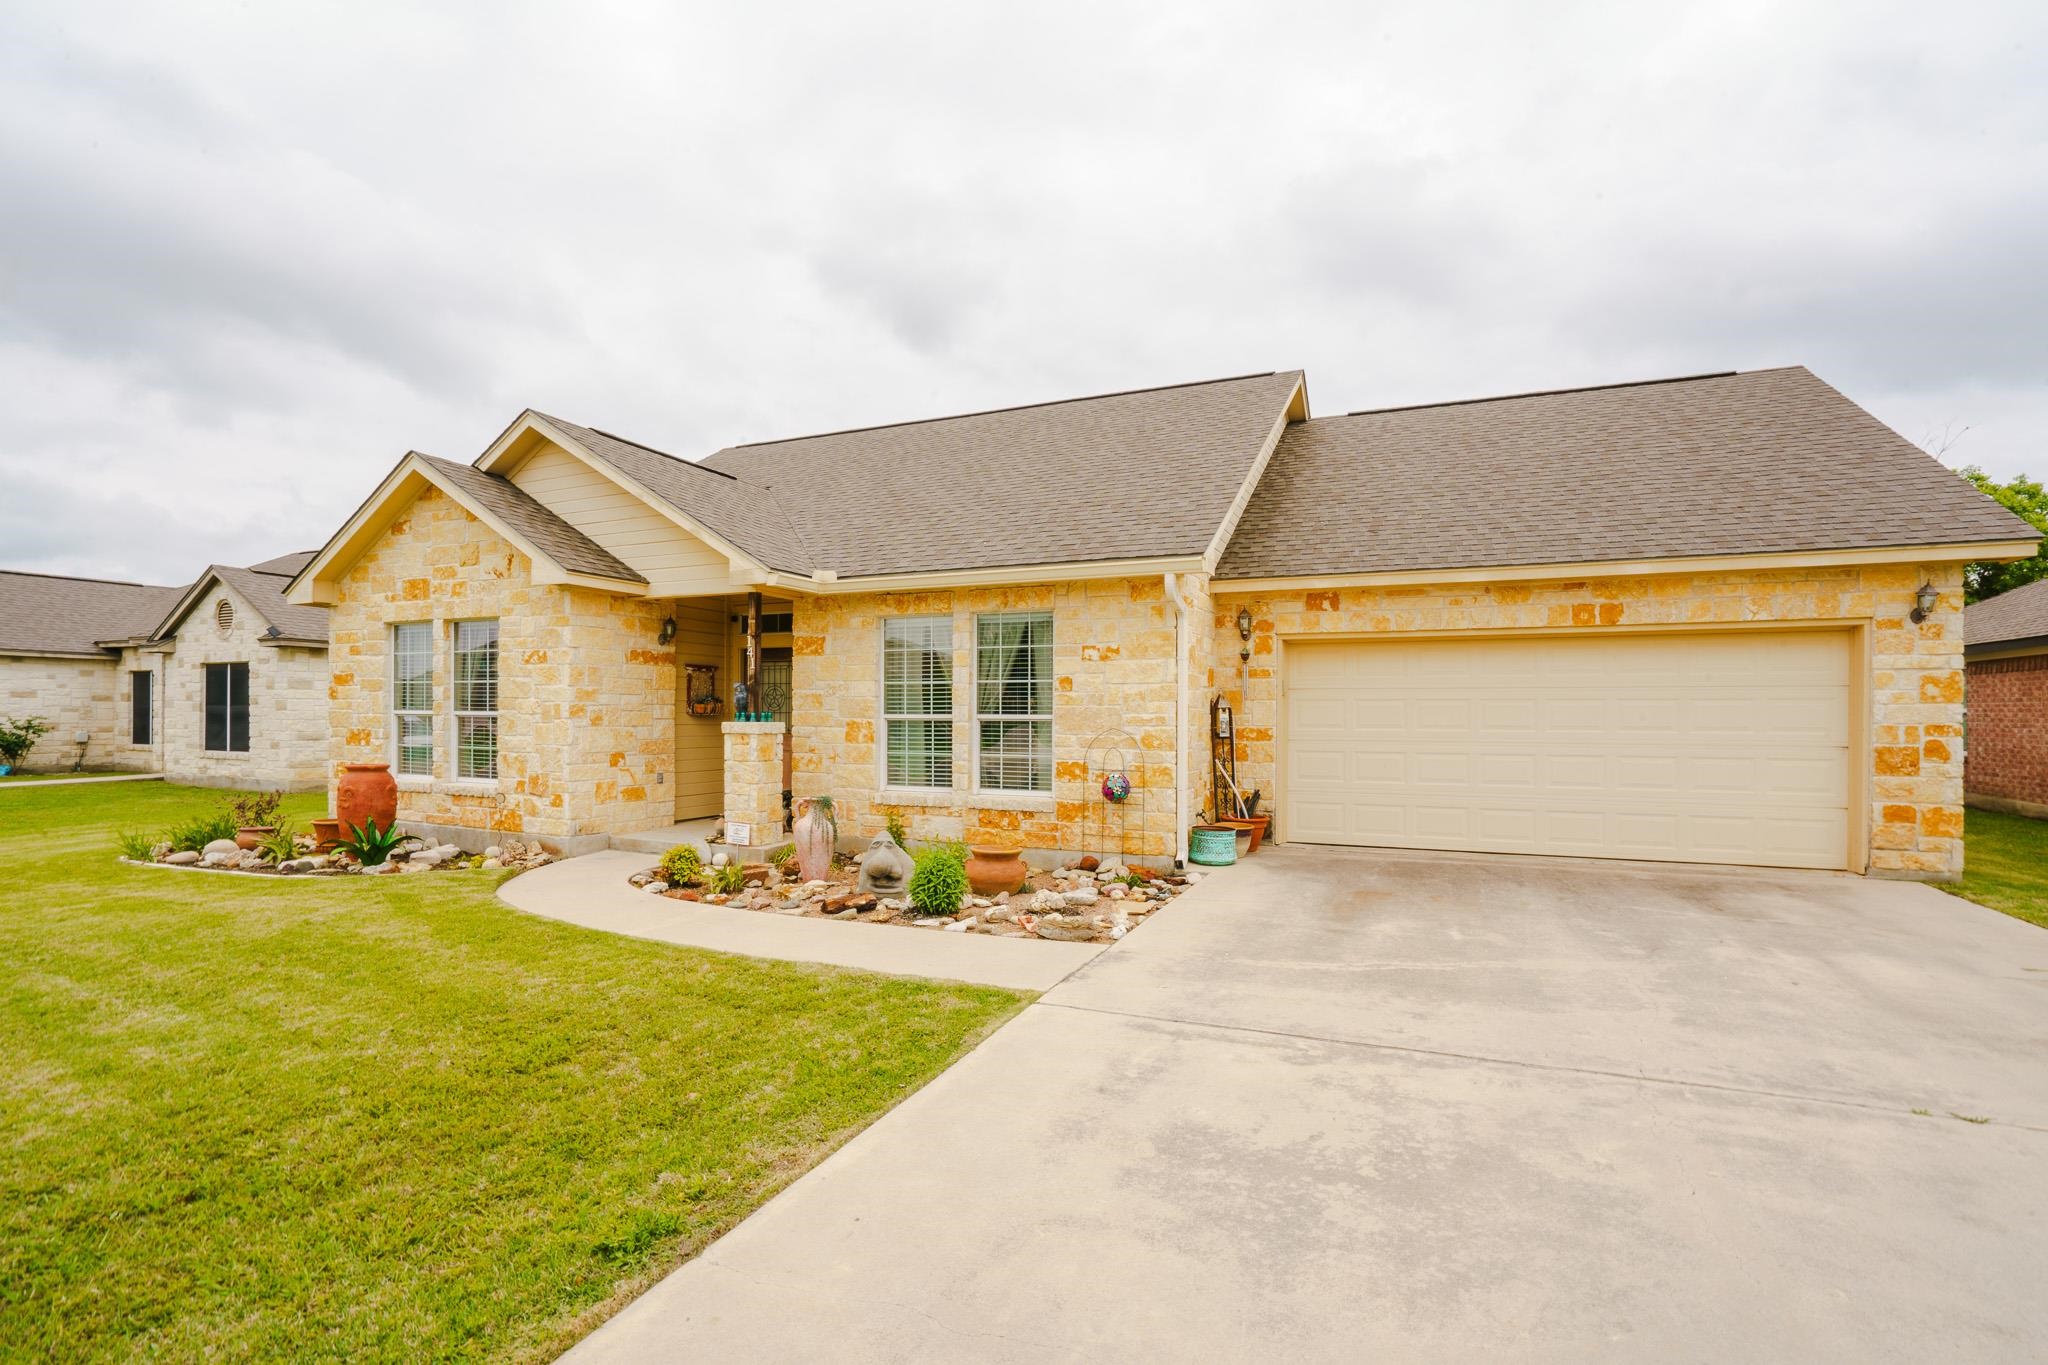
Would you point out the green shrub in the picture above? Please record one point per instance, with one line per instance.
(195, 834)
(368, 844)
(279, 846)
(938, 879)
(138, 846)
(894, 825)
(255, 809)
(17, 737)
(681, 864)
(729, 880)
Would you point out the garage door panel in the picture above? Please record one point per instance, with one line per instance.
(1710, 747)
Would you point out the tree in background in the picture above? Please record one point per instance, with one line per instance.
(2024, 497)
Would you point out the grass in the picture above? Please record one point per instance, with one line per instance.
(386, 1119)
(2005, 864)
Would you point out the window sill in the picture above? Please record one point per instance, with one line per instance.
(928, 797)
(468, 786)
(919, 796)
(413, 782)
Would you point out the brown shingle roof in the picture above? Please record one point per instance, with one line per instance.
(547, 532)
(288, 565)
(45, 614)
(1145, 474)
(1773, 460)
(2020, 614)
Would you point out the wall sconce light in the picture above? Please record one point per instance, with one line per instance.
(1244, 632)
(1924, 602)
(668, 631)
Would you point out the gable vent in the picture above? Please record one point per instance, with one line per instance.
(224, 615)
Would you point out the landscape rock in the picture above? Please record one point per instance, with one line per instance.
(1048, 900)
(490, 862)
(294, 866)
(183, 858)
(1082, 895)
(494, 851)
(222, 847)
(656, 888)
(1089, 862)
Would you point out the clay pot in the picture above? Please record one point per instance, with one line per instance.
(250, 837)
(812, 834)
(1255, 825)
(366, 792)
(326, 834)
(994, 870)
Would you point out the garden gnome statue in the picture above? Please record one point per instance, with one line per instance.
(886, 868)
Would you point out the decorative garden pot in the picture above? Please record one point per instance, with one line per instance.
(992, 871)
(1212, 845)
(366, 792)
(812, 834)
(250, 837)
(1255, 824)
(326, 834)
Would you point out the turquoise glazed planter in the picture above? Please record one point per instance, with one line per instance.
(1212, 845)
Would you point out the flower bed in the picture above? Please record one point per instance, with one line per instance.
(412, 855)
(1083, 902)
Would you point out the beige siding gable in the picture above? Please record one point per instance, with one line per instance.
(674, 562)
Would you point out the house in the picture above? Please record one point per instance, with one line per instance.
(1712, 619)
(2005, 655)
(220, 683)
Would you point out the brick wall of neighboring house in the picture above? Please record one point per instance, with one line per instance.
(2008, 739)
(1113, 707)
(586, 695)
(288, 711)
(89, 695)
(1916, 671)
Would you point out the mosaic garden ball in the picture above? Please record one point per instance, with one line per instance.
(1116, 787)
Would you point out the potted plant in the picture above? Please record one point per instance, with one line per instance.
(17, 737)
(814, 834)
(255, 818)
(994, 869)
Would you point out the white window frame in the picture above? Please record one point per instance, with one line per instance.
(399, 713)
(944, 622)
(455, 698)
(982, 717)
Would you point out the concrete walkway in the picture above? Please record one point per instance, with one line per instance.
(592, 891)
(40, 782)
(1341, 1106)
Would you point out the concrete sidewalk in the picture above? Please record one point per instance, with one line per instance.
(592, 891)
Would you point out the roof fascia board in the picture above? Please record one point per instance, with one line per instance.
(974, 578)
(510, 451)
(316, 584)
(2005, 649)
(1295, 410)
(1612, 568)
(56, 654)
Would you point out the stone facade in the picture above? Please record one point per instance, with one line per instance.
(586, 693)
(2007, 763)
(288, 711)
(1915, 679)
(88, 696)
(1113, 707)
(753, 781)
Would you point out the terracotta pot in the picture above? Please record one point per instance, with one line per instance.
(992, 871)
(326, 834)
(250, 837)
(1253, 824)
(812, 834)
(366, 792)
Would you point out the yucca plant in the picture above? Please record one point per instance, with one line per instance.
(729, 880)
(368, 844)
(279, 845)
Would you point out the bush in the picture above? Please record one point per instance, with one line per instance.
(137, 846)
(938, 879)
(368, 844)
(681, 864)
(783, 859)
(894, 824)
(17, 737)
(195, 834)
(729, 880)
(280, 845)
(256, 809)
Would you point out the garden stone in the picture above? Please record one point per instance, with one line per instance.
(494, 852)
(1194, 877)
(223, 847)
(293, 866)
(379, 869)
(489, 863)
(960, 926)
(719, 859)
(183, 858)
(656, 887)
(1081, 895)
(1048, 900)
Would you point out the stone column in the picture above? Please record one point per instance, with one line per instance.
(753, 782)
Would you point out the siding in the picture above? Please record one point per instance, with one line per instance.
(674, 562)
(700, 748)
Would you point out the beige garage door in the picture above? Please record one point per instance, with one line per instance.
(1712, 747)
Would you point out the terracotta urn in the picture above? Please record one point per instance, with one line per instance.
(992, 871)
(326, 834)
(1255, 825)
(813, 834)
(249, 837)
(366, 792)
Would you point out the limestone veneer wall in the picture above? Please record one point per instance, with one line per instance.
(1113, 669)
(289, 732)
(586, 694)
(74, 695)
(1915, 677)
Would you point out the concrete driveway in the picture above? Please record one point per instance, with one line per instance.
(1340, 1105)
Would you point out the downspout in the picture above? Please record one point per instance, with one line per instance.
(1180, 721)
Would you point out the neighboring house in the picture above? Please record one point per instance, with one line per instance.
(2006, 765)
(1670, 621)
(223, 683)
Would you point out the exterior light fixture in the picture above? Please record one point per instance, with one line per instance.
(1244, 632)
(1924, 602)
(668, 631)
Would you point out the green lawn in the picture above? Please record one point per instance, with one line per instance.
(2005, 864)
(389, 1118)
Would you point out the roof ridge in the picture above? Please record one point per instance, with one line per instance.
(1548, 393)
(1014, 407)
(82, 578)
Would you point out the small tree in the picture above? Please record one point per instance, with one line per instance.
(2026, 499)
(17, 737)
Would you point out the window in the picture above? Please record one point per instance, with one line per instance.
(412, 697)
(140, 722)
(917, 701)
(227, 708)
(476, 698)
(1013, 701)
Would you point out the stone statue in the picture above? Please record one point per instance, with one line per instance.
(885, 871)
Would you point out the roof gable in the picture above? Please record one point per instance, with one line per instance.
(262, 593)
(2018, 614)
(1770, 461)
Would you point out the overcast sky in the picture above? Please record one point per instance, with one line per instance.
(253, 253)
